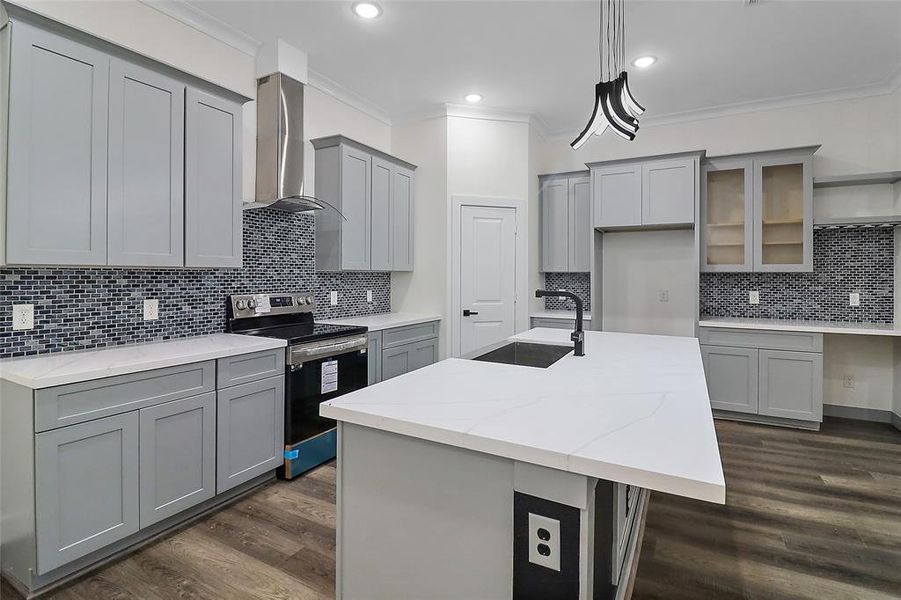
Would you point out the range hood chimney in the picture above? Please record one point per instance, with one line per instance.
(279, 181)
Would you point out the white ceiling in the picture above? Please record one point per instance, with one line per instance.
(540, 57)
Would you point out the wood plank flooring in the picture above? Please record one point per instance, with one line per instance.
(809, 515)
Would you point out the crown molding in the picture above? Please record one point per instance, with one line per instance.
(206, 23)
(465, 111)
(349, 97)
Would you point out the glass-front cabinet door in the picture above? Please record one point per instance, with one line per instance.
(783, 223)
(727, 213)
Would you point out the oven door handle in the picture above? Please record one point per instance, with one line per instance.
(299, 355)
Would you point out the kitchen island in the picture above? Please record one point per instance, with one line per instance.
(470, 479)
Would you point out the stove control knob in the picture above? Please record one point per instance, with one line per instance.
(241, 304)
(251, 303)
(309, 299)
(301, 300)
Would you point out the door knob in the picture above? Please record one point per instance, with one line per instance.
(467, 312)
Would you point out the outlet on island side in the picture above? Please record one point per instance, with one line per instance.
(754, 297)
(544, 541)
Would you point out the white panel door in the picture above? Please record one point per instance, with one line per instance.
(487, 275)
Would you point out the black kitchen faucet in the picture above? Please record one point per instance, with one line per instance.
(578, 336)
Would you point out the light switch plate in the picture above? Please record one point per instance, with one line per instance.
(368, 295)
(854, 299)
(544, 541)
(333, 297)
(151, 309)
(23, 316)
(754, 297)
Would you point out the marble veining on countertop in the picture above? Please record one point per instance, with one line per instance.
(48, 370)
(384, 320)
(887, 329)
(634, 409)
(547, 313)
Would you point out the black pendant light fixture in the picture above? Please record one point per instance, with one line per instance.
(615, 107)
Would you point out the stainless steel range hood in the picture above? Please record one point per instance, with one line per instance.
(279, 177)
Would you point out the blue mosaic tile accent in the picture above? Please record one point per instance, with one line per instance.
(844, 261)
(577, 283)
(79, 308)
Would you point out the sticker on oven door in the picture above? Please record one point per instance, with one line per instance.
(329, 376)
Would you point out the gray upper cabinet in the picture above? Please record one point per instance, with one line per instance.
(177, 456)
(566, 230)
(668, 192)
(213, 235)
(114, 159)
(375, 194)
(57, 159)
(757, 212)
(554, 225)
(616, 192)
(250, 431)
(146, 167)
(86, 488)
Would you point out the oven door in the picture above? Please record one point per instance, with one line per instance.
(316, 373)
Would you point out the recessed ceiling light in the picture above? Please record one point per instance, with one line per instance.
(643, 62)
(367, 10)
(473, 98)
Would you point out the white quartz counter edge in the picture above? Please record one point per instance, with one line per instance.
(72, 367)
(559, 314)
(384, 320)
(804, 326)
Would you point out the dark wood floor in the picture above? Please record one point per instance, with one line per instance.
(808, 515)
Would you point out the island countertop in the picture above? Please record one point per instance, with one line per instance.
(634, 410)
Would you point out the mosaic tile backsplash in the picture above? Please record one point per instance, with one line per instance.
(79, 308)
(844, 261)
(577, 283)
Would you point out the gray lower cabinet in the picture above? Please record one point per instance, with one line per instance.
(408, 357)
(177, 456)
(212, 181)
(731, 378)
(374, 357)
(791, 385)
(57, 162)
(250, 431)
(556, 323)
(403, 349)
(86, 488)
(146, 167)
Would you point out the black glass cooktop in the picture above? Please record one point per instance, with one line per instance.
(306, 332)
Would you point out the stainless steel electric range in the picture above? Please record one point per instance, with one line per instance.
(321, 362)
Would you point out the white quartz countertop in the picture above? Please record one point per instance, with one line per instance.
(634, 409)
(808, 326)
(559, 314)
(71, 367)
(384, 320)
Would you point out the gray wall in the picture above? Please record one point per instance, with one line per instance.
(78, 308)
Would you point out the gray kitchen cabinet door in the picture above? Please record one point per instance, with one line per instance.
(731, 378)
(727, 215)
(250, 431)
(356, 205)
(213, 163)
(86, 488)
(395, 361)
(177, 456)
(145, 213)
(783, 213)
(668, 192)
(57, 160)
(616, 193)
(555, 229)
(382, 179)
(791, 385)
(581, 232)
(374, 357)
(402, 191)
(423, 354)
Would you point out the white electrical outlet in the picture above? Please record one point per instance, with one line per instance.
(151, 309)
(848, 381)
(333, 297)
(544, 541)
(368, 295)
(663, 295)
(854, 299)
(754, 297)
(23, 316)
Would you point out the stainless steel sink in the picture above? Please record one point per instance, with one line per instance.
(526, 354)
